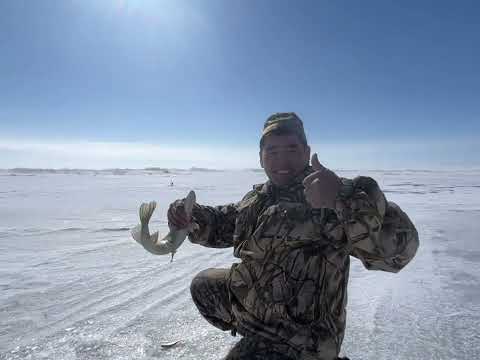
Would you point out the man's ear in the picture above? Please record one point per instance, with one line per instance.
(260, 156)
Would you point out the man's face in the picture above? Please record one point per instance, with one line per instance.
(283, 157)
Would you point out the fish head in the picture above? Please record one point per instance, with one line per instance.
(189, 202)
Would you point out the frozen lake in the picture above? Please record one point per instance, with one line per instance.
(74, 285)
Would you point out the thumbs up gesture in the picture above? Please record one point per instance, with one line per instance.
(322, 186)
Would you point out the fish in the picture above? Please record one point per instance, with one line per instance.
(175, 237)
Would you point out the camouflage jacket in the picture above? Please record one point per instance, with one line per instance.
(291, 284)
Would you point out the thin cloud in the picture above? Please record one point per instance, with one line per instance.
(461, 153)
(119, 154)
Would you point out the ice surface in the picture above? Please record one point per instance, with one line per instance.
(75, 285)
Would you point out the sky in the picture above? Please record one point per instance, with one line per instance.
(172, 83)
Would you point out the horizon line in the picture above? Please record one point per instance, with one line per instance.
(199, 169)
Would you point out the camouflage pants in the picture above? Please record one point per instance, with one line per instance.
(249, 348)
(210, 294)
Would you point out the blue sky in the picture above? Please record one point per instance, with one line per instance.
(135, 83)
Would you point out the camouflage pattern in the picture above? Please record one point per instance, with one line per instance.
(210, 294)
(249, 348)
(290, 287)
(287, 121)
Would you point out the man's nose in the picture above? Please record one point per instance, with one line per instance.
(282, 161)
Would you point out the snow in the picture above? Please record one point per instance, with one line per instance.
(75, 285)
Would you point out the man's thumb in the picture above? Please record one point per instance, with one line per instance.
(315, 163)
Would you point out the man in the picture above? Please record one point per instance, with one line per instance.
(294, 236)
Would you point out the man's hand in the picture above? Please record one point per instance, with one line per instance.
(177, 218)
(322, 186)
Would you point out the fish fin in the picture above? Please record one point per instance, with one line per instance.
(137, 233)
(146, 211)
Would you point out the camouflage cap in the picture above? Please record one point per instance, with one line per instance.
(285, 121)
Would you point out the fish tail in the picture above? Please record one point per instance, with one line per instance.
(146, 211)
(189, 202)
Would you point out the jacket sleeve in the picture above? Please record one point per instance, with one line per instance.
(216, 225)
(379, 233)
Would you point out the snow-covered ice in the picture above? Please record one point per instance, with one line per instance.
(75, 285)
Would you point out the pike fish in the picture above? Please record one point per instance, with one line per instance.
(172, 241)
